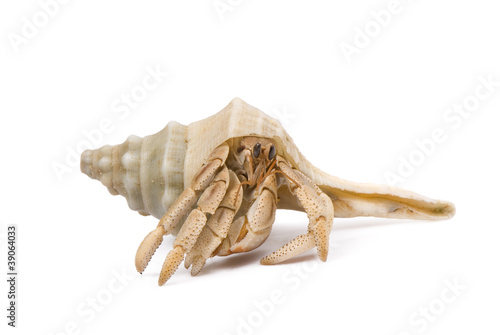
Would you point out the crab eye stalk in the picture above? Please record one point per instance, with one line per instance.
(272, 152)
(256, 150)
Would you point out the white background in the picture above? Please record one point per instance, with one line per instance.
(351, 119)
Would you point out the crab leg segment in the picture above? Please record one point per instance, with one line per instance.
(319, 209)
(207, 204)
(181, 206)
(217, 227)
(252, 229)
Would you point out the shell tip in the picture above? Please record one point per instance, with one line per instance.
(447, 209)
(237, 102)
(86, 162)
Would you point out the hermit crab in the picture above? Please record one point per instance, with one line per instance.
(217, 183)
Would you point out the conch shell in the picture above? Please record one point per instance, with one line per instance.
(151, 172)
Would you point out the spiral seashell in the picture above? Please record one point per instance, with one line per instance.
(151, 172)
(147, 171)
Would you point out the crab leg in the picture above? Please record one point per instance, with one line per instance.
(217, 227)
(319, 209)
(180, 207)
(252, 229)
(207, 204)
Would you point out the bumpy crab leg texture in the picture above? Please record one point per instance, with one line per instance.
(319, 209)
(251, 230)
(208, 203)
(217, 227)
(181, 206)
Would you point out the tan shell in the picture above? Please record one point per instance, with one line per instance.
(151, 172)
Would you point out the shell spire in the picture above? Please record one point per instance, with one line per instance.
(147, 171)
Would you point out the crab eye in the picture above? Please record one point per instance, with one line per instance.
(256, 150)
(272, 152)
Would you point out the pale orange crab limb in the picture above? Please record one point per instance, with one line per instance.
(181, 206)
(249, 231)
(208, 203)
(216, 229)
(295, 247)
(319, 209)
